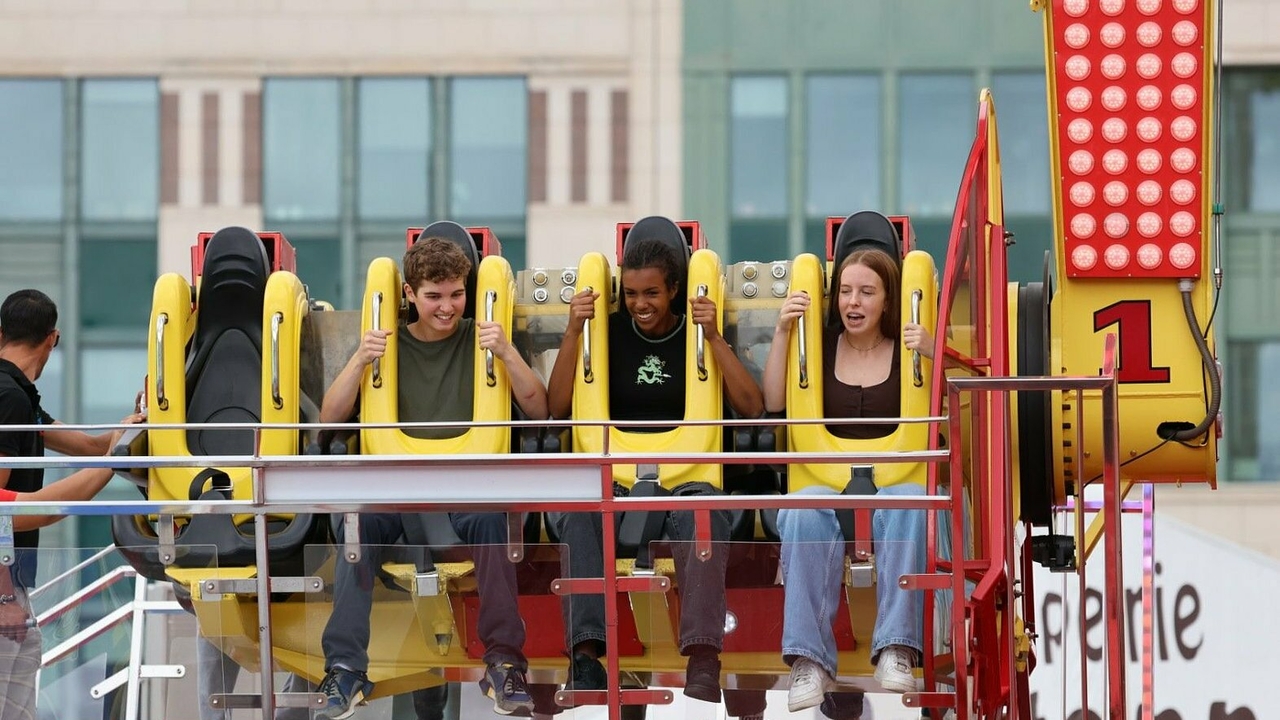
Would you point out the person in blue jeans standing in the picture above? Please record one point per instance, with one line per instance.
(861, 378)
(435, 356)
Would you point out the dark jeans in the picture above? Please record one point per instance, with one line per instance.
(346, 635)
(702, 604)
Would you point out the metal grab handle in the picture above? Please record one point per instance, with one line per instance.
(701, 349)
(276, 400)
(377, 325)
(490, 297)
(804, 353)
(587, 375)
(161, 400)
(917, 376)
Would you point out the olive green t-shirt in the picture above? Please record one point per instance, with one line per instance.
(437, 379)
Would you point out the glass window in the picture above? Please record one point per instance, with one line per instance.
(1024, 141)
(488, 143)
(936, 125)
(842, 159)
(301, 137)
(116, 281)
(30, 149)
(319, 268)
(1264, 147)
(110, 379)
(758, 136)
(395, 147)
(120, 161)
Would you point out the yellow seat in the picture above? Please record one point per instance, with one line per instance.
(703, 387)
(804, 390)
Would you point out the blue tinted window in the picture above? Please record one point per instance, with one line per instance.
(1024, 141)
(758, 165)
(301, 135)
(488, 144)
(1264, 144)
(110, 379)
(395, 147)
(120, 161)
(843, 137)
(30, 149)
(937, 116)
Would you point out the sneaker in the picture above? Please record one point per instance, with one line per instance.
(587, 673)
(810, 682)
(343, 690)
(844, 706)
(894, 669)
(505, 685)
(702, 677)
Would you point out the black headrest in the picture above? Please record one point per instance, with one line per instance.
(455, 233)
(867, 229)
(233, 281)
(663, 229)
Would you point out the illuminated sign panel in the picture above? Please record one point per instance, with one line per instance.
(1129, 109)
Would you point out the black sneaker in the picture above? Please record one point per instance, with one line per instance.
(586, 673)
(343, 690)
(842, 705)
(702, 678)
(505, 685)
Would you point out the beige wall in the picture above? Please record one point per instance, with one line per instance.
(1245, 514)
(1251, 32)
(226, 47)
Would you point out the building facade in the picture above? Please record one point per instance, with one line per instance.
(127, 126)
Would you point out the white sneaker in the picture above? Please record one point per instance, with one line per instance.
(894, 669)
(809, 683)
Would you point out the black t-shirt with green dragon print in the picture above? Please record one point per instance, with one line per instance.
(646, 375)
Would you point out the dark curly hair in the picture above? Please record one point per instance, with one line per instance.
(434, 259)
(653, 253)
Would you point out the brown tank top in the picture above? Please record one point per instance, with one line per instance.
(840, 400)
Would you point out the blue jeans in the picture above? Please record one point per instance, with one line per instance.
(813, 551)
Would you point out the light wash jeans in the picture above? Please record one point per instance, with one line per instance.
(813, 551)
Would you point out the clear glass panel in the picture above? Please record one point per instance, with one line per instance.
(301, 131)
(1264, 163)
(120, 153)
(488, 143)
(1024, 141)
(30, 149)
(116, 283)
(761, 239)
(424, 616)
(1247, 393)
(758, 137)
(395, 147)
(843, 153)
(319, 268)
(110, 378)
(936, 129)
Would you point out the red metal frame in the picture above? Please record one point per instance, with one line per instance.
(902, 223)
(279, 251)
(485, 240)
(692, 230)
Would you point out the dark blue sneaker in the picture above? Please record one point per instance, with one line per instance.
(506, 686)
(343, 690)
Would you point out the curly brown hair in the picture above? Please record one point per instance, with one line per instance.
(434, 259)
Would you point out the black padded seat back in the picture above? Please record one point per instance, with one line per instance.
(453, 232)
(663, 229)
(224, 367)
(867, 230)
